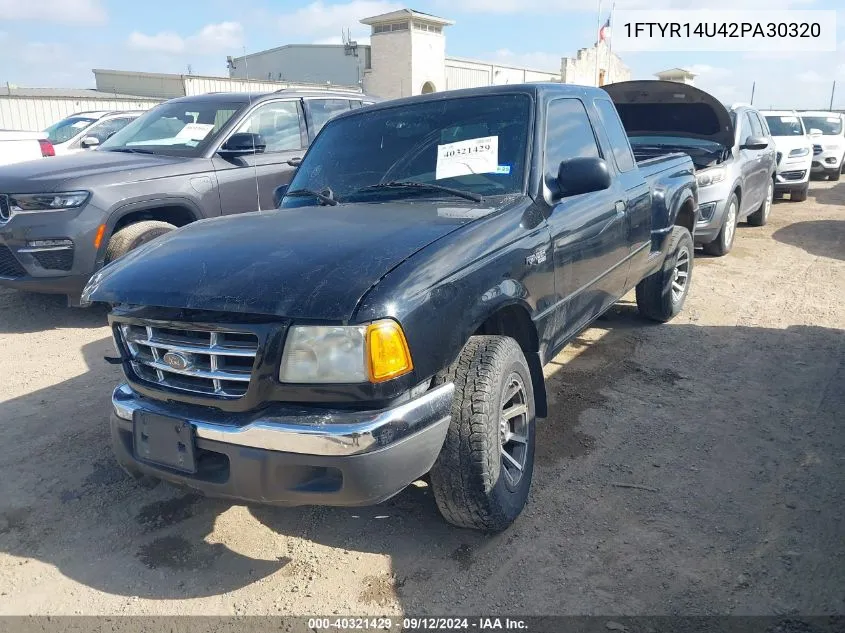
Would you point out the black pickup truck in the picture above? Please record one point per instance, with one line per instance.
(392, 318)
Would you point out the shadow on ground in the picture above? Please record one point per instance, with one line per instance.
(834, 195)
(31, 312)
(823, 238)
(679, 472)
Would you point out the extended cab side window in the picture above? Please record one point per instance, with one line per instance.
(569, 134)
(278, 123)
(617, 135)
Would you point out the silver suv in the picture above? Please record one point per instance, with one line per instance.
(733, 151)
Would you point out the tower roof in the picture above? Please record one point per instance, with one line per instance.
(404, 14)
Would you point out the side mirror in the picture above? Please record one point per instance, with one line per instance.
(279, 193)
(755, 142)
(89, 142)
(243, 143)
(814, 131)
(581, 175)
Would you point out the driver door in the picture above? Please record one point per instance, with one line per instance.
(247, 182)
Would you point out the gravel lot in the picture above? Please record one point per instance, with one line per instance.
(730, 419)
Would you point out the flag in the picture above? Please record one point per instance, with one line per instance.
(604, 31)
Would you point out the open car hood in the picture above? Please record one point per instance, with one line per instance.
(668, 108)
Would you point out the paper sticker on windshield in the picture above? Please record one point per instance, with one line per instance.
(475, 156)
(195, 131)
(833, 119)
(80, 124)
(789, 119)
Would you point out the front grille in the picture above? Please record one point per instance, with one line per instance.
(792, 175)
(779, 156)
(59, 259)
(199, 361)
(9, 265)
(817, 149)
(5, 208)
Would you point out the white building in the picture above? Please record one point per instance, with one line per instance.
(680, 75)
(407, 56)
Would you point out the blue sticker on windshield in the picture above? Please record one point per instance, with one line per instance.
(503, 169)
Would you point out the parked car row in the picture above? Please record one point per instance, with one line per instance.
(387, 311)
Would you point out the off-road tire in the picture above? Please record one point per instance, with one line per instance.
(834, 176)
(655, 298)
(725, 239)
(469, 483)
(799, 195)
(761, 216)
(133, 236)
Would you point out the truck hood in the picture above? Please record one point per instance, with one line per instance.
(56, 172)
(668, 108)
(306, 262)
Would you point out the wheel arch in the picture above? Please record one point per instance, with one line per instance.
(173, 210)
(513, 319)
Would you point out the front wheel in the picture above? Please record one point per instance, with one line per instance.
(661, 295)
(483, 474)
(761, 216)
(834, 176)
(725, 239)
(134, 235)
(799, 195)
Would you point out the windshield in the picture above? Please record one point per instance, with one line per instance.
(66, 129)
(829, 125)
(784, 125)
(176, 129)
(475, 144)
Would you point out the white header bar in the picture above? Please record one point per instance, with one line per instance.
(724, 31)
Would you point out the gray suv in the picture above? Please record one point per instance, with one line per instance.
(732, 149)
(187, 159)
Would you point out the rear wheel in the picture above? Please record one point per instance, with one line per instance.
(725, 240)
(483, 474)
(133, 236)
(661, 295)
(761, 216)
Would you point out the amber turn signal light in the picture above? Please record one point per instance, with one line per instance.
(387, 351)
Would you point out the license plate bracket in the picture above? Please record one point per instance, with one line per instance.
(164, 441)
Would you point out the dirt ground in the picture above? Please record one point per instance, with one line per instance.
(730, 419)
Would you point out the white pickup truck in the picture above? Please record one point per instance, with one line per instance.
(17, 147)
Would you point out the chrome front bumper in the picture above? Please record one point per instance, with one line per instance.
(322, 432)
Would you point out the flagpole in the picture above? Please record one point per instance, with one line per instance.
(598, 28)
(610, 43)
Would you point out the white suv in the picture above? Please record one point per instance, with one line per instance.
(794, 153)
(827, 131)
(86, 130)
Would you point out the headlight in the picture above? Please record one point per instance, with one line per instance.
(801, 151)
(710, 176)
(345, 354)
(34, 202)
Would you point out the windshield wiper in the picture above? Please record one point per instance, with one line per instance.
(326, 197)
(412, 184)
(128, 150)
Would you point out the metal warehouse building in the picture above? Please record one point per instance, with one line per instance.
(38, 108)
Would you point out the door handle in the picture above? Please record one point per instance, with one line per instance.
(620, 207)
(294, 162)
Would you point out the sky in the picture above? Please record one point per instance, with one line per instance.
(56, 43)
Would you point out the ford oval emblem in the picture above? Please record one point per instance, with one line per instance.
(177, 360)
